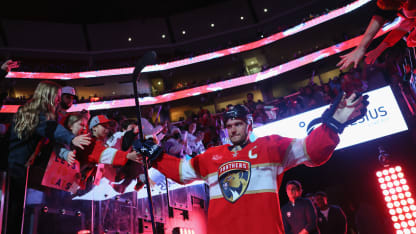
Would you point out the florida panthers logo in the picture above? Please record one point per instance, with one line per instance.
(234, 178)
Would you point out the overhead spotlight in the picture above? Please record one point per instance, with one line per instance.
(129, 39)
(261, 35)
(212, 25)
(183, 32)
(163, 36)
(241, 17)
(265, 10)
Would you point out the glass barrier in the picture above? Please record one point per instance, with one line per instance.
(54, 206)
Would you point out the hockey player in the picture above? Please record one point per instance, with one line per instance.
(244, 178)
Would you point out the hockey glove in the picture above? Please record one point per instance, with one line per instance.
(149, 149)
(342, 112)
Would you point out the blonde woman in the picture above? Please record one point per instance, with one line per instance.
(34, 121)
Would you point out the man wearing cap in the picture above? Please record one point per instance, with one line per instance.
(67, 99)
(244, 178)
(98, 151)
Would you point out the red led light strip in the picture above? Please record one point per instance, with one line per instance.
(243, 80)
(399, 200)
(192, 60)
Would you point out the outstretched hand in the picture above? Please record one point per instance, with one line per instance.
(81, 141)
(351, 109)
(353, 57)
(134, 156)
(9, 65)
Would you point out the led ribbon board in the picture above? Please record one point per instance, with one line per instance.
(192, 60)
(383, 118)
(272, 72)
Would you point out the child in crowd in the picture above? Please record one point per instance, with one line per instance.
(99, 152)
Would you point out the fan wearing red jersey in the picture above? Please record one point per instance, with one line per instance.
(244, 178)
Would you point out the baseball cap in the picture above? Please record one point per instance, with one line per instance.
(68, 90)
(98, 119)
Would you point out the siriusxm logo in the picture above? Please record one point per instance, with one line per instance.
(372, 115)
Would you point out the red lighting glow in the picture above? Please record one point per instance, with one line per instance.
(233, 82)
(400, 202)
(201, 58)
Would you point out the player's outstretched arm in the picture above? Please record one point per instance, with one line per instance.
(179, 170)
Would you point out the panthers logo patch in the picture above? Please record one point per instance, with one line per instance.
(234, 178)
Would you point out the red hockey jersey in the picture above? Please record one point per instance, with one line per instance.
(244, 185)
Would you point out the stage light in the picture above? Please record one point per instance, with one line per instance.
(129, 39)
(163, 36)
(212, 25)
(241, 17)
(265, 10)
(402, 208)
(183, 32)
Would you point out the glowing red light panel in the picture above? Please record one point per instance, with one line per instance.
(243, 80)
(399, 200)
(201, 58)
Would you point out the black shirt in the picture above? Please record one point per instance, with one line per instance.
(301, 215)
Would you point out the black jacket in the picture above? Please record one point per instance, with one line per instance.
(22, 149)
(301, 215)
(336, 223)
